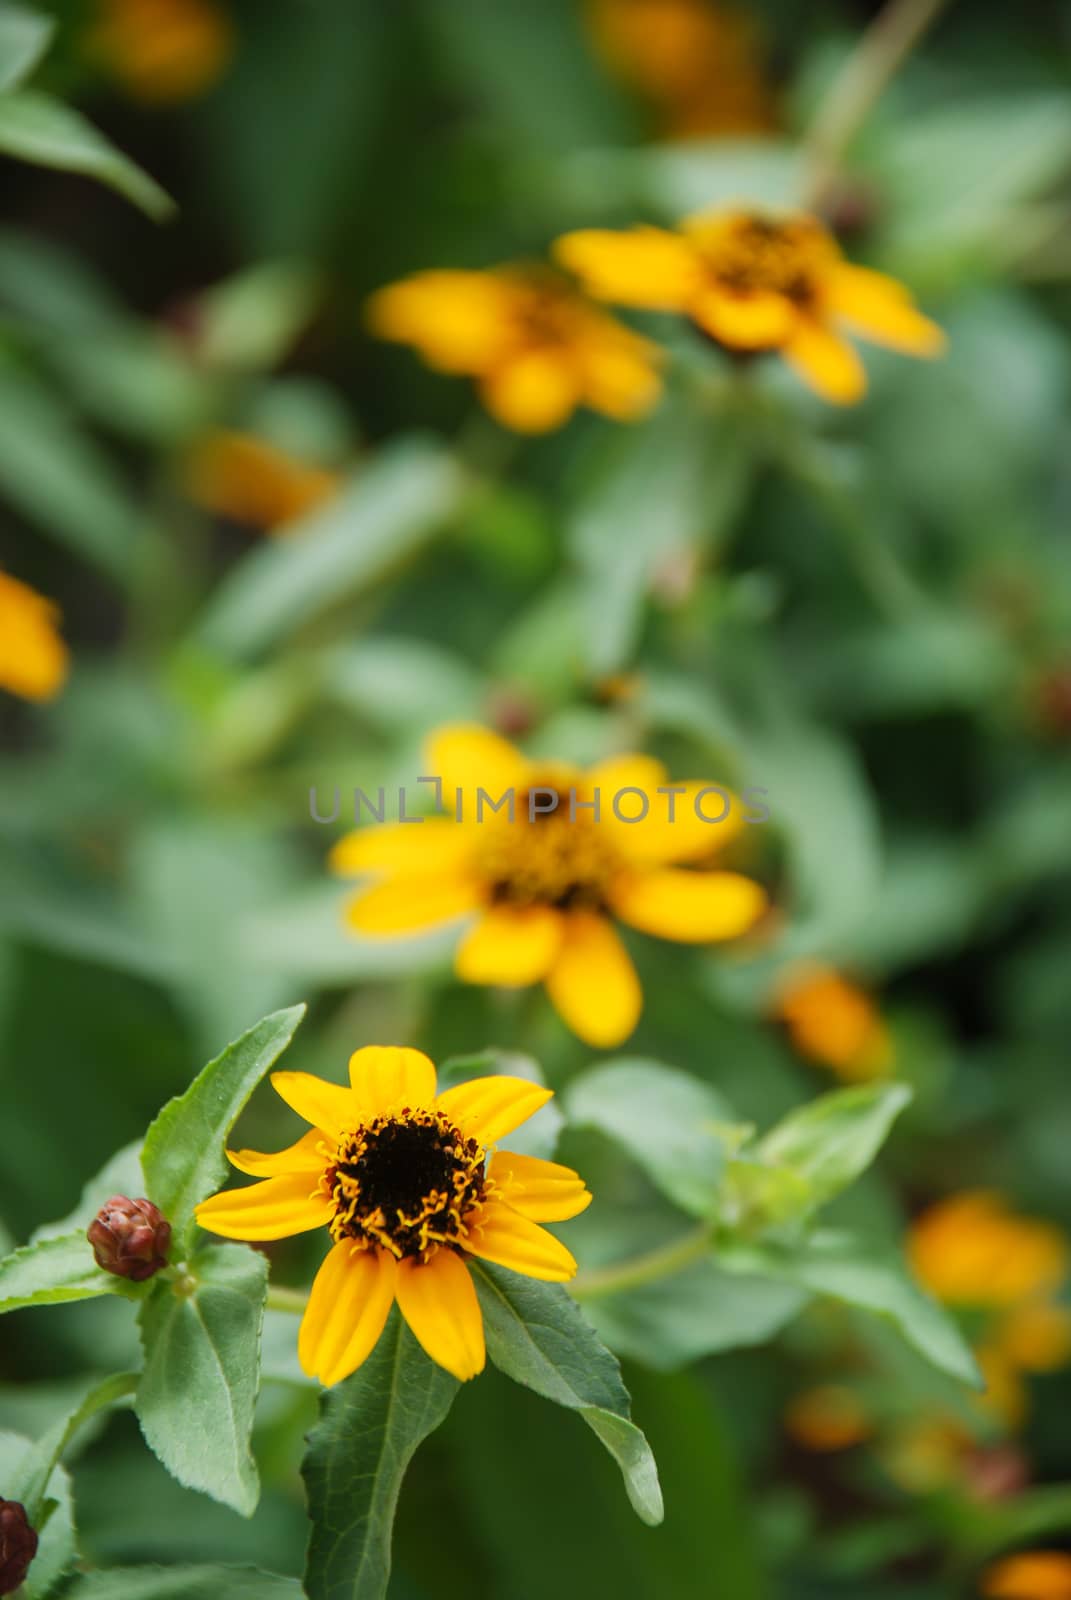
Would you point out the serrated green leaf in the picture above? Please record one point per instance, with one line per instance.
(36, 128)
(185, 1583)
(54, 1270)
(666, 1120)
(40, 1461)
(197, 1394)
(832, 1140)
(56, 1547)
(183, 1157)
(864, 1274)
(358, 1452)
(538, 1336)
(24, 38)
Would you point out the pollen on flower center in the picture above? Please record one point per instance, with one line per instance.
(408, 1182)
(750, 252)
(556, 858)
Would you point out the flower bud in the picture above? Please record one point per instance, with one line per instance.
(130, 1238)
(18, 1545)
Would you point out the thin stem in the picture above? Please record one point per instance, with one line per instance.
(649, 1268)
(280, 1299)
(881, 52)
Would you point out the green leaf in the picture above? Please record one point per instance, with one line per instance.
(53, 1270)
(197, 1394)
(833, 1139)
(41, 1460)
(666, 1120)
(36, 128)
(186, 1583)
(388, 511)
(249, 322)
(24, 38)
(56, 1547)
(537, 1336)
(183, 1156)
(358, 1453)
(861, 1273)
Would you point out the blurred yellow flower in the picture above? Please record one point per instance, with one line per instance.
(756, 282)
(33, 657)
(833, 1022)
(240, 476)
(399, 1175)
(546, 881)
(1031, 1575)
(826, 1419)
(163, 51)
(697, 62)
(537, 348)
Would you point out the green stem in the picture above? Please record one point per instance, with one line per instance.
(881, 52)
(280, 1299)
(649, 1268)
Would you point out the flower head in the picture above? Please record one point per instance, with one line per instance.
(758, 282)
(565, 852)
(409, 1185)
(834, 1022)
(33, 657)
(1030, 1575)
(163, 51)
(239, 476)
(130, 1238)
(18, 1545)
(538, 349)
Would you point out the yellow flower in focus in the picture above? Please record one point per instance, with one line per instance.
(1031, 1575)
(33, 657)
(834, 1022)
(536, 347)
(239, 476)
(546, 882)
(826, 1419)
(756, 282)
(163, 51)
(697, 62)
(409, 1185)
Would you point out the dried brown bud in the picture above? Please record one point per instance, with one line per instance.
(130, 1238)
(18, 1545)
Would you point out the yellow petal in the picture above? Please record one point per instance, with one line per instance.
(882, 311)
(534, 391)
(329, 1106)
(510, 1240)
(409, 905)
(304, 1156)
(439, 1303)
(693, 907)
(33, 657)
(756, 321)
(386, 1077)
(1030, 1575)
(512, 946)
(643, 267)
(435, 846)
(697, 819)
(619, 374)
(593, 983)
(486, 1109)
(826, 363)
(467, 757)
(349, 1304)
(273, 1209)
(460, 322)
(542, 1191)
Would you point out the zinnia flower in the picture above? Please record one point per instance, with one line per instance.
(248, 480)
(546, 880)
(163, 51)
(1030, 1575)
(33, 657)
(757, 282)
(538, 349)
(833, 1022)
(409, 1186)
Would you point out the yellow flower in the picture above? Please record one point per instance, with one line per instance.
(33, 657)
(756, 282)
(546, 880)
(537, 348)
(163, 51)
(239, 476)
(696, 61)
(835, 1023)
(409, 1185)
(826, 1419)
(1031, 1575)
(970, 1250)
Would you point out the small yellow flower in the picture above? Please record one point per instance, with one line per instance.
(537, 348)
(756, 282)
(544, 886)
(1031, 1575)
(832, 1021)
(827, 1419)
(409, 1185)
(163, 51)
(33, 657)
(239, 476)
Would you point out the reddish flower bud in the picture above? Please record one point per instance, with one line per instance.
(130, 1238)
(18, 1545)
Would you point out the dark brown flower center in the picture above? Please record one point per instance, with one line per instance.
(557, 857)
(752, 253)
